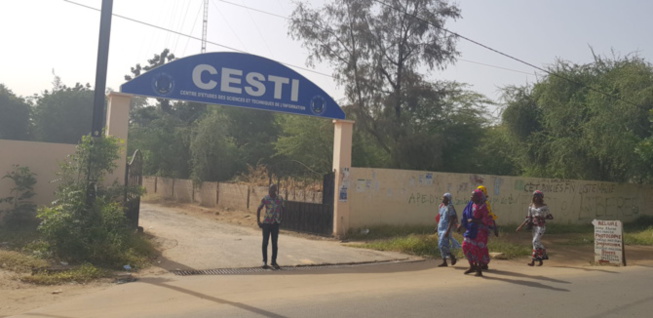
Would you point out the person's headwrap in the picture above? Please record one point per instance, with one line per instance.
(478, 195)
(489, 207)
(538, 193)
(448, 196)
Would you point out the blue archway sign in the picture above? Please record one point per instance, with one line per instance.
(235, 79)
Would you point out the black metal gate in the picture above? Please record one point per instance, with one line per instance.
(313, 218)
(133, 179)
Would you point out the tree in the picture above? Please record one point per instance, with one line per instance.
(253, 132)
(156, 61)
(586, 121)
(378, 50)
(214, 154)
(165, 144)
(15, 118)
(443, 130)
(163, 132)
(307, 141)
(64, 114)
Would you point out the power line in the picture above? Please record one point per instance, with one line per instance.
(192, 37)
(507, 55)
(385, 4)
(464, 60)
(253, 9)
(241, 51)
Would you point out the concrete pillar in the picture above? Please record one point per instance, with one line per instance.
(118, 126)
(342, 141)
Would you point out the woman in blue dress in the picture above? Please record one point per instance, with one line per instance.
(448, 221)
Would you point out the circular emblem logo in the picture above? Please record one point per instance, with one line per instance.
(163, 84)
(318, 105)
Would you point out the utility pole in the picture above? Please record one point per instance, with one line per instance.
(204, 24)
(100, 86)
(101, 68)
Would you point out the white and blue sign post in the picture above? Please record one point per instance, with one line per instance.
(236, 79)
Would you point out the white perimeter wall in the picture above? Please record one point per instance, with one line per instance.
(383, 196)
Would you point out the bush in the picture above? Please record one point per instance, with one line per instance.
(22, 210)
(87, 221)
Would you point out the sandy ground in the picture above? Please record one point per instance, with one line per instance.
(17, 297)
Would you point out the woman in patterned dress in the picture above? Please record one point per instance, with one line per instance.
(476, 222)
(538, 213)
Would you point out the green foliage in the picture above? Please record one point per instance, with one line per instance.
(496, 153)
(643, 237)
(21, 209)
(308, 140)
(420, 245)
(641, 223)
(253, 132)
(509, 249)
(18, 237)
(586, 121)
(15, 118)
(87, 222)
(63, 115)
(388, 231)
(164, 142)
(214, 155)
(377, 53)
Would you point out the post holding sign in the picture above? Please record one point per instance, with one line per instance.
(235, 79)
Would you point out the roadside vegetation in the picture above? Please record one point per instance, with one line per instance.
(84, 234)
(423, 241)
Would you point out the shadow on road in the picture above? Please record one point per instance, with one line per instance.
(161, 282)
(526, 283)
(382, 267)
(588, 269)
(507, 273)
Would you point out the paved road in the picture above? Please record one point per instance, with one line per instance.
(389, 290)
(400, 289)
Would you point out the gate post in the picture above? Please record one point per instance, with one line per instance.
(342, 141)
(117, 125)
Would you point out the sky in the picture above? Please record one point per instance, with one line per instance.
(42, 39)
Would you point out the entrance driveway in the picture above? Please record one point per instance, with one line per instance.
(190, 242)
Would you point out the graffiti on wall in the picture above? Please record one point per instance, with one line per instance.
(423, 198)
(565, 187)
(595, 206)
(573, 200)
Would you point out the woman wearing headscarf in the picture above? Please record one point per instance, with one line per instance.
(448, 220)
(489, 209)
(494, 217)
(477, 222)
(538, 213)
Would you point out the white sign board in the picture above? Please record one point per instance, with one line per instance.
(608, 242)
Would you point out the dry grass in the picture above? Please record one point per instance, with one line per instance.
(19, 262)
